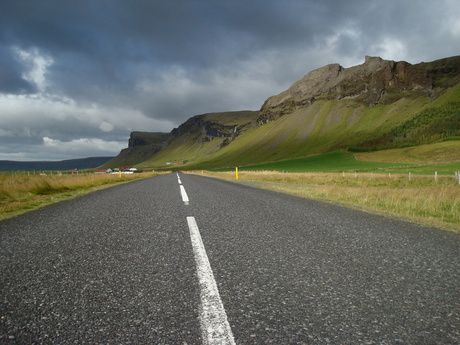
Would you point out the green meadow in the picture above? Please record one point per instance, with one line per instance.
(334, 161)
(443, 158)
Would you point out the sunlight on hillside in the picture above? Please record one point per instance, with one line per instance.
(439, 153)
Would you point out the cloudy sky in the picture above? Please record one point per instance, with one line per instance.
(77, 76)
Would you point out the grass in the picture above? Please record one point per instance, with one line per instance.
(191, 146)
(232, 118)
(420, 200)
(443, 157)
(20, 193)
(334, 161)
(438, 120)
(323, 126)
(431, 154)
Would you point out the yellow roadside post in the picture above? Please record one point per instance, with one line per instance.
(236, 173)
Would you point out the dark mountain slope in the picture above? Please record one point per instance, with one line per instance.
(70, 164)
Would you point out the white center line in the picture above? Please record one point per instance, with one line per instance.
(184, 195)
(215, 328)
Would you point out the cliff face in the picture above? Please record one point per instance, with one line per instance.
(141, 146)
(311, 125)
(206, 127)
(373, 83)
(194, 132)
(147, 138)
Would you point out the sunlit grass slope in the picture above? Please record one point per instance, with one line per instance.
(186, 148)
(430, 154)
(443, 158)
(321, 127)
(191, 146)
(333, 161)
(324, 126)
(440, 120)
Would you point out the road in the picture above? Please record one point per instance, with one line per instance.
(185, 259)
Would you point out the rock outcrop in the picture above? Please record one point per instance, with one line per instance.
(147, 138)
(375, 82)
(141, 146)
(206, 127)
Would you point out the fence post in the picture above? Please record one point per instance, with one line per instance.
(409, 177)
(436, 176)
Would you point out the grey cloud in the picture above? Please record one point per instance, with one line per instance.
(11, 70)
(230, 54)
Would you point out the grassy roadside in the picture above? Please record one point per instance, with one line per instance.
(442, 157)
(421, 200)
(22, 193)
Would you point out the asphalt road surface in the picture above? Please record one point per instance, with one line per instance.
(184, 259)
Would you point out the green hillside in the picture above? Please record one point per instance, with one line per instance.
(324, 126)
(376, 106)
(201, 137)
(321, 127)
(443, 158)
(440, 120)
(429, 154)
(333, 161)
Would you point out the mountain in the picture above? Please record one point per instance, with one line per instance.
(376, 82)
(376, 105)
(199, 136)
(70, 164)
(141, 146)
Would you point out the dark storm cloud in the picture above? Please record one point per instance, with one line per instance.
(101, 47)
(11, 70)
(99, 69)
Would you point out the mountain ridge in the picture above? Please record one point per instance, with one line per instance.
(375, 82)
(330, 108)
(67, 164)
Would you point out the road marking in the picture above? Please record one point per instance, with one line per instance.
(178, 178)
(184, 195)
(215, 328)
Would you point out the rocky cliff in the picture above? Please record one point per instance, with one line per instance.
(330, 108)
(226, 125)
(147, 138)
(375, 82)
(196, 131)
(141, 146)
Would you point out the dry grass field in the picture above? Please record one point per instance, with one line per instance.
(421, 199)
(20, 193)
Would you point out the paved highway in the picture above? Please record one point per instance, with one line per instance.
(184, 259)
